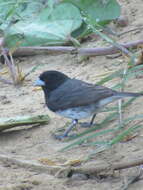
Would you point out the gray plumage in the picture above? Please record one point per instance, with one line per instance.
(76, 93)
(76, 99)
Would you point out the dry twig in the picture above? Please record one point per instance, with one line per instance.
(93, 170)
(99, 51)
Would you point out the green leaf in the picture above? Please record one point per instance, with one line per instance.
(18, 9)
(101, 11)
(46, 29)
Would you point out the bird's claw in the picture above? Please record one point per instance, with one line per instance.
(62, 137)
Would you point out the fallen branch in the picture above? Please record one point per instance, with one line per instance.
(104, 167)
(7, 123)
(95, 170)
(99, 51)
(28, 164)
(62, 171)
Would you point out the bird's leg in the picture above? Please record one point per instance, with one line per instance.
(73, 124)
(92, 119)
(86, 125)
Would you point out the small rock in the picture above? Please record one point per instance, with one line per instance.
(35, 182)
(6, 102)
(3, 97)
(122, 21)
(79, 176)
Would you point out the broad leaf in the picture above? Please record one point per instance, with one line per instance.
(102, 11)
(46, 29)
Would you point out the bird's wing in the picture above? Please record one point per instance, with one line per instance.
(74, 93)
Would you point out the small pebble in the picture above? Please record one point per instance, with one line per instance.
(6, 102)
(35, 182)
(79, 176)
(122, 21)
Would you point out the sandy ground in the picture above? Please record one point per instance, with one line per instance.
(38, 142)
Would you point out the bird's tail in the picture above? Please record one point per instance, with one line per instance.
(129, 94)
(117, 96)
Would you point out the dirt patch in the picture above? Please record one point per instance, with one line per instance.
(37, 142)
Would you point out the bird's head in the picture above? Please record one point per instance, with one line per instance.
(50, 80)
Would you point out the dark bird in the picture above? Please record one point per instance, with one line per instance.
(76, 99)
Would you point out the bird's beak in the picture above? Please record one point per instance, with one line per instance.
(39, 82)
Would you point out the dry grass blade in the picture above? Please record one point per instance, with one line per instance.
(94, 26)
(10, 63)
(82, 140)
(14, 70)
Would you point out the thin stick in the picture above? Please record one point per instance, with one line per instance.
(93, 170)
(55, 50)
(28, 164)
(120, 112)
(14, 72)
(114, 166)
(122, 90)
(29, 72)
(10, 64)
(131, 30)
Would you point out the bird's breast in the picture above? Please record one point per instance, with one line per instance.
(79, 112)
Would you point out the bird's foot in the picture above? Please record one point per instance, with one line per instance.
(86, 124)
(70, 127)
(64, 137)
(60, 137)
(62, 129)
